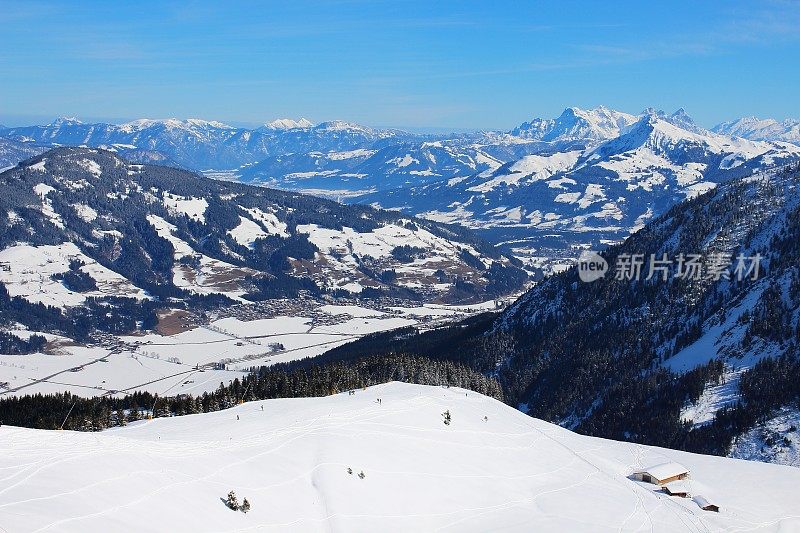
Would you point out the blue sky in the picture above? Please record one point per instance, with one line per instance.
(451, 65)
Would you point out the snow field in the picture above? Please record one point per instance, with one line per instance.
(505, 472)
(183, 363)
(29, 271)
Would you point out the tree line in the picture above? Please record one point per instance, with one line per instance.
(289, 380)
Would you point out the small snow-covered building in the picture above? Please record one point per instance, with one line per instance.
(677, 488)
(662, 474)
(705, 504)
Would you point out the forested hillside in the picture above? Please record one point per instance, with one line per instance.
(664, 357)
(85, 230)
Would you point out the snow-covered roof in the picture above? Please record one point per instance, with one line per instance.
(666, 470)
(677, 487)
(703, 502)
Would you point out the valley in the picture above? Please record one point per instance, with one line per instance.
(192, 354)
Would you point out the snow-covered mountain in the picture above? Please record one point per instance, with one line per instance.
(762, 129)
(200, 144)
(289, 124)
(594, 194)
(354, 172)
(418, 160)
(351, 463)
(334, 158)
(119, 228)
(681, 119)
(576, 124)
(298, 155)
(604, 172)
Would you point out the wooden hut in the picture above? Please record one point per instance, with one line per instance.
(677, 488)
(705, 505)
(662, 474)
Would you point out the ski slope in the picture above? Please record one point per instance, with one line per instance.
(492, 469)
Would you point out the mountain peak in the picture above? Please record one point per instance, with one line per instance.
(337, 125)
(576, 124)
(289, 124)
(62, 121)
(643, 127)
(172, 124)
(680, 118)
(198, 122)
(683, 120)
(595, 124)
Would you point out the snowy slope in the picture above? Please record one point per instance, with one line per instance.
(491, 469)
(30, 270)
(12, 152)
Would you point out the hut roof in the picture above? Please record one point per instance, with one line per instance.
(666, 470)
(703, 502)
(677, 487)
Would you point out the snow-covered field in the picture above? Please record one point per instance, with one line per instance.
(492, 469)
(188, 362)
(94, 371)
(27, 271)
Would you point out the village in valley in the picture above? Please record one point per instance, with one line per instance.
(191, 353)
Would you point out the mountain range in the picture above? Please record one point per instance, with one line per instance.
(631, 169)
(200, 144)
(300, 154)
(582, 179)
(762, 129)
(83, 223)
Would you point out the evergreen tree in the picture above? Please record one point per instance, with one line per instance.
(232, 502)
